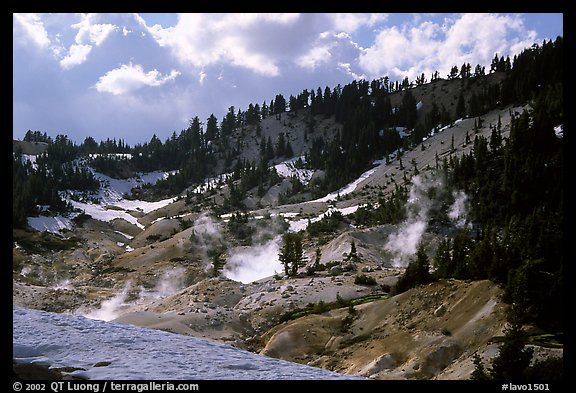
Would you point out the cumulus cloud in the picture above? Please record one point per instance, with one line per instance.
(131, 77)
(428, 46)
(347, 68)
(34, 29)
(91, 32)
(212, 54)
(263, 43)
(314, 57)
(205, 39)
(202, 76)
(332, 49)
(351, 22)
(69, 52)
(76, 55)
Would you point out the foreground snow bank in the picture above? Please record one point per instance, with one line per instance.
(133, 352)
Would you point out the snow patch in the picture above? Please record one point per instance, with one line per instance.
(50, 224)
(288, 169)
(138, 353)
(559, 131)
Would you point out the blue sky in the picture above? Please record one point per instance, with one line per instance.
(131, 76)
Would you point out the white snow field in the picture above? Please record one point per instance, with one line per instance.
(138, 353)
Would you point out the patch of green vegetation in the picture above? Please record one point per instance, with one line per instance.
(153, 238)
(43, 241)
(363, 279)
(117, 269)
(367, 299)
(327, 225)
(548, 340)
(81, 218)
(321, 306)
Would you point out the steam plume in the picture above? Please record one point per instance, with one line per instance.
(172, 280)
(425, 196)
(459, 209)
(404, 243)
(110, 309)
(253, 263)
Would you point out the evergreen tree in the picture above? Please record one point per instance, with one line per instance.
(480, 373)
(269, 148)
(211, 128)
(460, 107)
(281, 145)
(513, 358)
(417, 272)
(317, 257)
(289, 152)
(408, 112)
(353, 254)
(279, 105)
(453, 73)
(291, 253)
(478, 71)
(229, 122)
(265, 111)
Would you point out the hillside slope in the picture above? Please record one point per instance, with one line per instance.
(414, 335)
(192, 264)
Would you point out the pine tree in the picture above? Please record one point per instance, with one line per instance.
(289, 152)
(460, 107)
(353, 255)
(211, 128)
(281, 145)
(291, 253)
(417, 272)
(269, 149)
(317, 257)
(479, 373)
(513, 360)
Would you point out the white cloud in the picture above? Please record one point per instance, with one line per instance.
(314, 57)
(347, 68)
(238, 54)
(227, 22)
(351, 22)
(90, 32)
(202, 77)
(206, 39)
(390, 48)
(332, 50)
(468, 38)
(77, 54)
(68, 40)
(34, 28)
(215, 52)
(131, 77)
